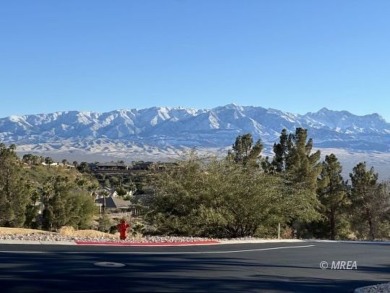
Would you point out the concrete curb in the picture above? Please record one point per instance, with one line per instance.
(261, 241)
(143, 244)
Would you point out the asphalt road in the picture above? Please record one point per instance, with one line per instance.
(270, 267)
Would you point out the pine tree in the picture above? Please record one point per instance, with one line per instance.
(366, 200)
(281, 151)
(244, 152)
(300, 168)
(332, 193)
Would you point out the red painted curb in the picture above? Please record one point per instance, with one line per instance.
(114, 243)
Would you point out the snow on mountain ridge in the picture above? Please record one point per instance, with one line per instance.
(216, 127)
(345, 121)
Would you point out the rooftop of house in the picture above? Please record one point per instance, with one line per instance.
(113, 202)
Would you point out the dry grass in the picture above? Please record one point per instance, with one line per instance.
(64, 231)
(12, 231)
(70, 231)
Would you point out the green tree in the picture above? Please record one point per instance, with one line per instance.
(303, 167)
(332, 193)
(245, 152)
(382, 208)
(32, 160)
(369, 201)
(221, 198)
(49, 160)
(84, 167)
(281, 151)
(294, 157)
(300, 167)
(28, 159)
(66, 204)
(13, 188)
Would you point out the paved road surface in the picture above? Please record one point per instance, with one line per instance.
(269, 267)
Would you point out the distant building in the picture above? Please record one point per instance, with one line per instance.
(110, 166)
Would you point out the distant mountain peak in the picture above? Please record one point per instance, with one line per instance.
(324, 110)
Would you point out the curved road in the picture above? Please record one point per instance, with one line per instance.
(266, 267)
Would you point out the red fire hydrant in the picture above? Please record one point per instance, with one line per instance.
(122, 228)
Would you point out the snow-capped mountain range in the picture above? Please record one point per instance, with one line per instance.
(179, 127)
(159, 132)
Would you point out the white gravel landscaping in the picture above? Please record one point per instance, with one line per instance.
(381, 288)
(61, 238)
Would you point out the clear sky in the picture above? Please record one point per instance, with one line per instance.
(292, 55)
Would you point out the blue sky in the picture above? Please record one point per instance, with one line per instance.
(292, 55)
